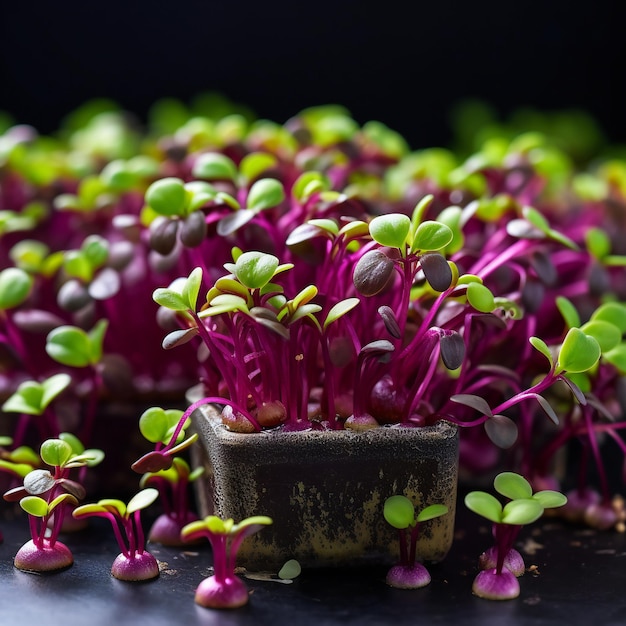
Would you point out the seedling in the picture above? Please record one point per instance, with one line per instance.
(166, 429)
(33, 398)
(399, 511)
(45, 496)
(134, 563)
(502, 564)
(169, 474)
(224, 589)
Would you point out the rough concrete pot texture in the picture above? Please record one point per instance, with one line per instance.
(325, 490)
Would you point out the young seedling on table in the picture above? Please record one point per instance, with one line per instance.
(224, 589)
(134, 563)
(158, 425)
(502, 564)
(44, 496)
(399, 511)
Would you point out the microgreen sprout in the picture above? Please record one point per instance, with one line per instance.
(224, 589)
(399, 511)
(33, 398)
(172, 483)
(166, 429)
(502, 564)
(312, 275)
(578, 352)
(45, 496)
(134, 563)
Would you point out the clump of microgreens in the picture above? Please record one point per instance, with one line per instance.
(31, 399)
(260, 342)
(224, 589)
(172, 483)
(67, 345)
(502, 564)
(578, 352)
(134, 563)
(408, 251)
(399, 511)
(593, 416)
(251, 329)
(45, 496)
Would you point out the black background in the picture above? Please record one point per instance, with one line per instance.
(404, 63)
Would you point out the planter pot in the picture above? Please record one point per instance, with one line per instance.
(325, 490)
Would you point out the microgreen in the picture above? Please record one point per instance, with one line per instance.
(224, 589)
(501, 564)
(134, 563)
(166, 429)
(34, 398)
(314, 274)
(170, 475)
(400, 513)
(45, 496)
(15, 286)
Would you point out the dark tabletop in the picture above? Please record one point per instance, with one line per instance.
(574, 576)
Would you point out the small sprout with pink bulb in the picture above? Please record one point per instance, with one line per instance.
(399, 511)
(224, 589)
(134, 563)
(502, 564)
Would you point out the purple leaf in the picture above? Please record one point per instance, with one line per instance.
(452, 350)
(234, 221)
(15, 494)
(179, 337)
(549, 411)
(437, 271)
(37, 321)
(105, 285)
(163, 236)
(194, 229)
(72, 487)
(475, 402)
(154, 461)
(575, 389)
(390, 321)
(543, 265)
(501, 430)
(372, 273)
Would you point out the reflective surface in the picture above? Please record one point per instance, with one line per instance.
(574, 576)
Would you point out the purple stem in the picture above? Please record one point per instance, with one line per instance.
(34, 531)
(413, 548)
(595, 450)
(140, 537)
(329, 386)
(127, 523)
(220, 556)
(505, 535)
